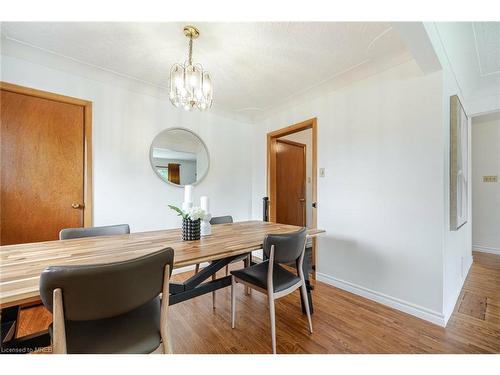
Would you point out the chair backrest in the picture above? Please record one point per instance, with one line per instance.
(221, 220)
(109, 230)
(106, 290)
(287, 247)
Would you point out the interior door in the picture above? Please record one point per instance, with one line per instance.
(174, 173)
(42, 167)
(290, 183)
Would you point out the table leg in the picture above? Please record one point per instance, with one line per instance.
(196, 286)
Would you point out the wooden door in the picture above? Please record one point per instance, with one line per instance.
(174, 173)
(42, 167)
(290, 183)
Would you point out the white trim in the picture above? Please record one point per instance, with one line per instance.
(449, 313)
(471, 260)
(396, 303)
(486, 249)
(177, 271)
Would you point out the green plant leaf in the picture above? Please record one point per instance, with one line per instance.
(181, 213)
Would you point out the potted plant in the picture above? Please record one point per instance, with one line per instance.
(191, 220)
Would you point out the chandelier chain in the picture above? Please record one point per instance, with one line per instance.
(190, 55)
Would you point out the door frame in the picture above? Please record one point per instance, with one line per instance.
(87, 136)
(271, 171)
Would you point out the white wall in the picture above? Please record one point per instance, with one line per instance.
(383, 142)
(305, 137)
(380, 141)
(457, 245)
(486, 195)
(126, 117)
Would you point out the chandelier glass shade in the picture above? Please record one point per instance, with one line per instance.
(190, 84)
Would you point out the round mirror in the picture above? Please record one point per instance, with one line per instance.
(178, 156)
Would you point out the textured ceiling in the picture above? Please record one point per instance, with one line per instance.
(255, 66)
(487, 39)
(473, 50)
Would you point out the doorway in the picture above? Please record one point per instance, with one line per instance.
(292, 177)
(46, 164)
(485, 184)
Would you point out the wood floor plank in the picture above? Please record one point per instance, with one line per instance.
(473, 305)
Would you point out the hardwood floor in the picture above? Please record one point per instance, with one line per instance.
(342, 322)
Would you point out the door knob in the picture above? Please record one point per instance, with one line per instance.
(77, 205)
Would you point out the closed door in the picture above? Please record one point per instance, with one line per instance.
(174, 174)
(290, 183)
(42, 167)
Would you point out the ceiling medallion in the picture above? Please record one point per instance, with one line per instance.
(190, 85)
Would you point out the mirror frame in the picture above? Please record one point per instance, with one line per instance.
(154, 168)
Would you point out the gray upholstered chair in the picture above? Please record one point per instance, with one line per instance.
(228, 219)
(109, 308)
(272, 279)
(246, 258)
(109, 230)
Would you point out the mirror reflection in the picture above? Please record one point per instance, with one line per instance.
(179, 157)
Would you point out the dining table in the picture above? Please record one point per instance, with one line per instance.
(22, 264)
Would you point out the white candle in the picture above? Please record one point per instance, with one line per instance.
(188, 194)
(204, 203)
(187, 205)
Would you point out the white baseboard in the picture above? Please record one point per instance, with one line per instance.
(188, 268)
(485, 249)
(256, 253)
(396, 303)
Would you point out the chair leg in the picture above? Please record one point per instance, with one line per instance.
(197, 268)
(227, 270)
(213, 293)
(273, 320)
(167, 346)
(303, 290)
(233, 302)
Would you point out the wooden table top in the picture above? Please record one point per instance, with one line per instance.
(21, 265)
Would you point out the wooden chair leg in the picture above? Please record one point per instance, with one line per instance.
(233, 302)
(164, 331)
(196, 268)
(227, 270)
(167, 347)
(273, 320)
(59, 339)
(303, 290)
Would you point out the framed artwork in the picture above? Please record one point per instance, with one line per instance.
(459, 161)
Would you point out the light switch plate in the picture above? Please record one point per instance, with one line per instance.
(322, 172)
(490, 178)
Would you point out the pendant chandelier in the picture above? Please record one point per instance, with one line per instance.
(190, 85)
